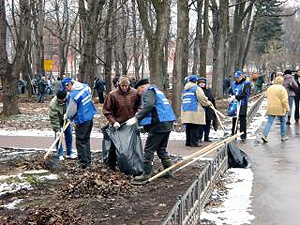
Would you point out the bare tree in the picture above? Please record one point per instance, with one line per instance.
(90, 14)
(181, 47)
(10, 72)
(156, 34)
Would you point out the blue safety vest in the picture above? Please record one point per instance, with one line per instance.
(164, 109)
(237, 88)
(85, 107)
(189, 99)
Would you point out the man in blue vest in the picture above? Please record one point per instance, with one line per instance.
(81, 110)
(240, 89)
(157, 116)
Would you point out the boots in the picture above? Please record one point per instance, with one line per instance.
(288, 122)
(166, 164)
(146, 174)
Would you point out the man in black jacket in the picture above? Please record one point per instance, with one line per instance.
(157, 116)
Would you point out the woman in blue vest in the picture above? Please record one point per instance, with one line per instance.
(240, 89)
(157, 116)
(192, 110)
(81, 109)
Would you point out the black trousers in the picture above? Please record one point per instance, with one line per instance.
(101, 97)
(83, 133)
(243, 126)
(192, 134)
(206, 130)
(296, 99)
(156, 142)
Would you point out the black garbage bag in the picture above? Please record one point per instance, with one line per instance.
(236, 157)
(126, 144)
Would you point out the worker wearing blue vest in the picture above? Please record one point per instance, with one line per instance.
(240, 90)
(192, 110)
(157, 116)
(81, 110)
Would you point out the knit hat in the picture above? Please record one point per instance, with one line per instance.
(141, 82)
(124, 80)
(287, 72)
(61, 95)
(203, 79)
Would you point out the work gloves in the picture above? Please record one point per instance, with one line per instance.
(231, 98)
(116, 125)
(65, 116)
(131, 121)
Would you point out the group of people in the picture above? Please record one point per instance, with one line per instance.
(146, 105)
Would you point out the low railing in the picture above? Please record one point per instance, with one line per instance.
(188, 207)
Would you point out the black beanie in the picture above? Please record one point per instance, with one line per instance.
(141, 82)
(287, 72)
(61, 95)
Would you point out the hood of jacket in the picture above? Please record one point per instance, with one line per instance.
(189, 85)
(77, 86)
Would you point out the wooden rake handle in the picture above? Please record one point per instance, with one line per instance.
(56, 140)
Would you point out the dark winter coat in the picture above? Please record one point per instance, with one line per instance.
(99, 85)
(290, 84)
(209, 112)
(42, 86)
(243, 95)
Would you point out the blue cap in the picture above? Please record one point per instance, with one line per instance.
(193, 78)
(66, 81)
(238, 73)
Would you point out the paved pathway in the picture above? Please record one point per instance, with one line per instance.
(276, 188)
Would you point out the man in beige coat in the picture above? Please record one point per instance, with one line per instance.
(192, 110)
(277, 106)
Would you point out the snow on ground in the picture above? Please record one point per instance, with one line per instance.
(14, 183)
(251, 131)
(236, 208)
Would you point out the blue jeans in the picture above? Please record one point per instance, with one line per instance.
(68, 140)
(270, 122)
(291, 101)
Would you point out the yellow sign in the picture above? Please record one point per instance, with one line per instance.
(48, 64)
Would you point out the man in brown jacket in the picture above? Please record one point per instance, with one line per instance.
(120, 105)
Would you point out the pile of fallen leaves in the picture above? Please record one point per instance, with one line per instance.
(104, 183)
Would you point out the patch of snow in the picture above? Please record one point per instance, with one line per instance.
(236, 207)
(13, 204)
(6, 188)
(180, 136)
(49, 177)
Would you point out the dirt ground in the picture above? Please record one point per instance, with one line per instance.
(92, 196)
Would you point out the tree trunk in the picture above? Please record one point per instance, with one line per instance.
(90, 21)
(135, 43)
(10, 73)
(108, 48)
(220, 25)
(156, 36)
(204, 40)
(182, 30)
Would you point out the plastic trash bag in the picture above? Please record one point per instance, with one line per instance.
(232, 108)
(236, 157)
(126, 143)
